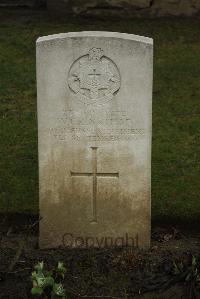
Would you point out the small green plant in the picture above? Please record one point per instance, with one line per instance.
(48, 284)
(190, 274)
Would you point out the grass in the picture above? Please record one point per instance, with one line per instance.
(176, 109)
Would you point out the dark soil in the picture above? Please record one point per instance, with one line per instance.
(98, 273)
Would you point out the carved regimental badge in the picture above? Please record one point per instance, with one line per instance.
(94, 78)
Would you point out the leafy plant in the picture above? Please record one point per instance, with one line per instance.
(48, 284)
(190, 274)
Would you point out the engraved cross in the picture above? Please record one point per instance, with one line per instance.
(95, 84)
(95, 174)
(94, 75)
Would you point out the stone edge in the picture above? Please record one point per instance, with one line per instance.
(104, 34)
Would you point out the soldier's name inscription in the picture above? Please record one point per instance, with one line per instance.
(95, 116)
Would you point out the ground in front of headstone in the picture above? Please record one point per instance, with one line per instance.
(159, 272)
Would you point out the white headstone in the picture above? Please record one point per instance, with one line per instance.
(94, 126)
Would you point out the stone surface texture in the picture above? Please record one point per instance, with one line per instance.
(23, 3)
(94, 126)
(125, 8)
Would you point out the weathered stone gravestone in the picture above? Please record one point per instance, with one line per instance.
(94, 125)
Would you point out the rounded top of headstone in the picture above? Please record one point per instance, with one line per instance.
(103, 34)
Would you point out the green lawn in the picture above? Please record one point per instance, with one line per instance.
(176, 109)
